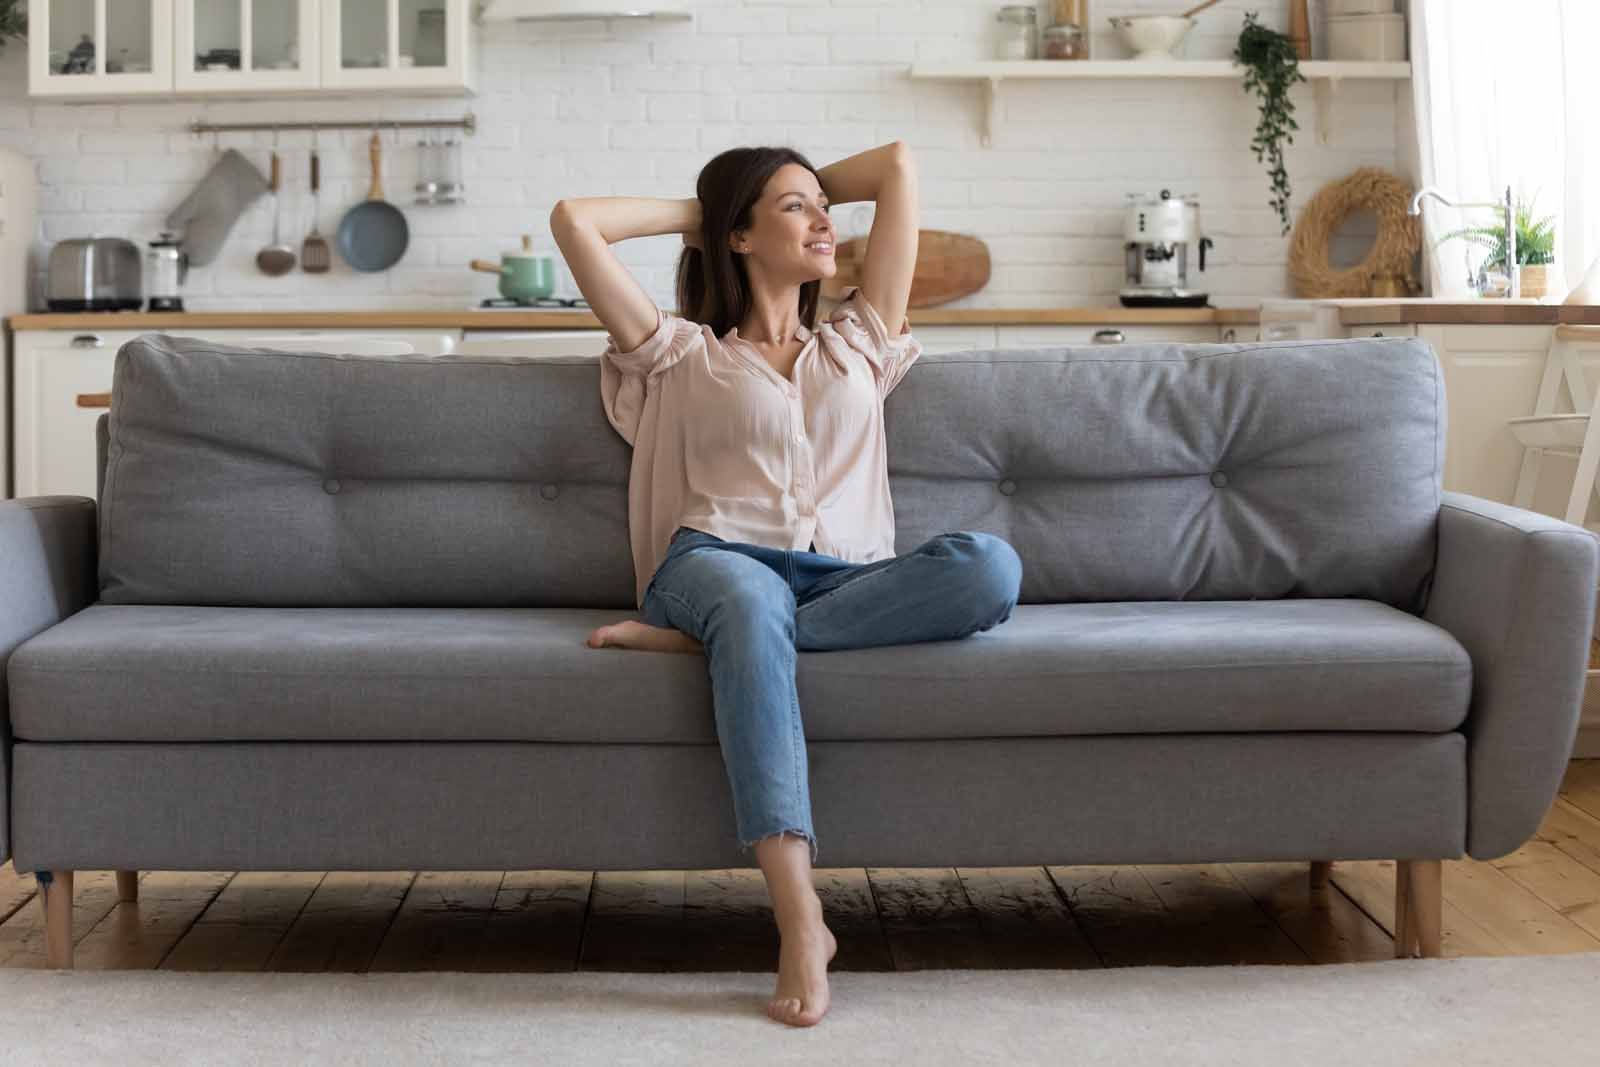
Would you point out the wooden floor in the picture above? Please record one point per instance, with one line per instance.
(1544, 898)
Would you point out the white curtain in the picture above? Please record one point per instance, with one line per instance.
(1505, 94)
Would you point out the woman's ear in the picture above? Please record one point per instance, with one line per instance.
(736, 241)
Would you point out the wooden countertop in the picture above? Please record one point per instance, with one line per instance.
(1466, 313)
(582, 319)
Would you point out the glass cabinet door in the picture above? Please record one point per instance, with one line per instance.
(399, 43)
(246, 44)
(97, 47)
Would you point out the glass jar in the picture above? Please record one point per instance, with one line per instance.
(1062, 41)
(1019, 24)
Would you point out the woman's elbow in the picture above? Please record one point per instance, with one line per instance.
(563, 216)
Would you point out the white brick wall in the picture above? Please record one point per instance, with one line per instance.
(594, 108)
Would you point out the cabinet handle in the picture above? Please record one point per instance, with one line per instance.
(1108, 337)
(1377, 333)
(88, 340)
(1230, 334)
(94, 400)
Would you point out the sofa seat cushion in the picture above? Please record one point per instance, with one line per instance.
(178, 673)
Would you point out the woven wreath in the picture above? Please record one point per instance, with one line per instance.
(1399, 234)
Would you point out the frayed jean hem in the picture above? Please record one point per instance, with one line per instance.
(798, 833)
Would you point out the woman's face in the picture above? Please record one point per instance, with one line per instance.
(790, 235)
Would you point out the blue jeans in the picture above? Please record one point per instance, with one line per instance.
(754, 608)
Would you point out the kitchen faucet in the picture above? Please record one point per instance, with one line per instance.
(1511, 227)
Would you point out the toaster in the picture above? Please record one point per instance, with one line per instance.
(95, 274)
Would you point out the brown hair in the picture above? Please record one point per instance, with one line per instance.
(713, 285)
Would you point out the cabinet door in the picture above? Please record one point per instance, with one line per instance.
(1100, 333)
(55, 447)
(953, 338)
(99, 48)
(396, 44)
(246, 45)
(1491, 374)
(1387, 329)
(534, 344)
(422, 342)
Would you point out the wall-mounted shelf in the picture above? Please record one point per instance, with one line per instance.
(1324, 76)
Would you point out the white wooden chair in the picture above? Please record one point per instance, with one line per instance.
(1573, 434)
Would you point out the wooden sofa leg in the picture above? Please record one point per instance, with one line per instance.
(1418, 907)
(128, 886)
(1320, 870)
(55, 890)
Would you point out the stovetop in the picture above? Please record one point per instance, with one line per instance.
(500, 302)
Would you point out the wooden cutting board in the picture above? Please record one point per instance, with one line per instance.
(949, 266)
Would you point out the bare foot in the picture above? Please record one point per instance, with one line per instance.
(802, 995)
(632, 634)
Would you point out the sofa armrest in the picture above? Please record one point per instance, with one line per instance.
(1517, 589)
(48, 570)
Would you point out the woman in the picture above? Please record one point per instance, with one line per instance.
(753, 438)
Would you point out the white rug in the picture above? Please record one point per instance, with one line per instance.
(1526, 1010)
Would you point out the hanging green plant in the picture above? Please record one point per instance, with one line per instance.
(1271, 68)
(13, 21)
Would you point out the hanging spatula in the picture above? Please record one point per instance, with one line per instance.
(314, 258)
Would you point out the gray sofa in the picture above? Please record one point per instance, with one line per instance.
(328, 613)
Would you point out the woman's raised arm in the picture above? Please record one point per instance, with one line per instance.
(888, 176)
(585, 228)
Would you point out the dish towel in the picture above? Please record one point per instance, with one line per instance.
(209, 213)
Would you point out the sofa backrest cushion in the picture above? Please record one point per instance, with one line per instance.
(1132, 472)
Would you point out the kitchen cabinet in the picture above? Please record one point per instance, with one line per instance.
(533, 344)
(415, 45)
(54, 436)
(1492, 374)
(110, 49)
(1391, 329)
(1101, 333)
(99, 48)
(257, 45)
(956, 338)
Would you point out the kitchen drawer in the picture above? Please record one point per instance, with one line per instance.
(422, 342)
(1388, 329)
(1108, 333)
(533, 344)
(953, 338)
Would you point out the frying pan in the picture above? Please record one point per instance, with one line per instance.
(373, 234)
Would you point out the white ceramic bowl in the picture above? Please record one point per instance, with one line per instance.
(1153, 36)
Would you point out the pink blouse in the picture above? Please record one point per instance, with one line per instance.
(725, 444)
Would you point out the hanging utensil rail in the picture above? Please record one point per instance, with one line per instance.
(468, 122)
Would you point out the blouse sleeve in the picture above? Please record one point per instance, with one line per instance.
(859, 324)
(626, 377)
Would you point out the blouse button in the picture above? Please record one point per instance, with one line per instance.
(1219, 479)
(331, 485)
(1008, 487)
(549, 492)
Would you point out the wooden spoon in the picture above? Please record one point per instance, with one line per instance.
(1193, 11)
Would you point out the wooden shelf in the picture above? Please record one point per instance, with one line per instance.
(1324, 76)
(1137, 68)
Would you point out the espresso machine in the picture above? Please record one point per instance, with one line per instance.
(1159, 231)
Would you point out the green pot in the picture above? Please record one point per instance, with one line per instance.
(524, 275)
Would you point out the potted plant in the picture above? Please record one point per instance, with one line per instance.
(1271, 69)
(13, 21)
(1536, 247)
